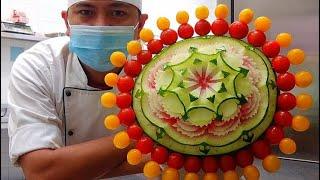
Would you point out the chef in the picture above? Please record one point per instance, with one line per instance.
(56, 122)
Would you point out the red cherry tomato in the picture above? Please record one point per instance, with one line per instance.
(280, 64)
(261, 149)
(286, 81)
(160, 154)
(219, 27)
(227, 163)
(274, 134)
(155, 46)
(125, 83)
(210, 164)
(192, 164)
(238, 30)
(185, 31)
(202, 27)
(127, 116)
(144, 57)
(169, 37)
(132, 68)
(283, 118)
(175, 160)
(124, 100)
(271, 49)
(145, 145)
(256, 38)
(286, 101)
(135, 132)
(244, 158)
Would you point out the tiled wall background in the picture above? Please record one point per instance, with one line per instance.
(8, 172)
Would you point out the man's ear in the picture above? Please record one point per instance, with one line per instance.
(64, 15)
(142, 21)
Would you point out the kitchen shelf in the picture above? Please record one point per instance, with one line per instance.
(23, 36)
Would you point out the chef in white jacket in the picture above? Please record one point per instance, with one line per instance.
(56, 123)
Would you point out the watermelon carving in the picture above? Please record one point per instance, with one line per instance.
(210, 101)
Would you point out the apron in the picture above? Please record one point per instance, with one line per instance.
(84, 115)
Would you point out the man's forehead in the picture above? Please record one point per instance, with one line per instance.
(115, 3)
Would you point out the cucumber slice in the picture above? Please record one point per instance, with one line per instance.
(172, 104)
(164, 79)
(228, 108)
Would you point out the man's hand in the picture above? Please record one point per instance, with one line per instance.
(87, 160)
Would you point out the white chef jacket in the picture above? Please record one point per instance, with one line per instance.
(50, 103)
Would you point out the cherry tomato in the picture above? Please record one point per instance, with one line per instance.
(286, 101)
(286, 81)
(135, 132)
(125, 83)
(202, 27)
(145, 145)
(256, 38)
(124, 100)
(160, 154)
(238, 30)
(271, 49)
(155, 46)
(244, 158)
(169, 37)
(132, 68)
(144, 57)
(175, 160)
(280, 64)
(261, 149)
(127, 116)
(283, 118)
(209, 164)
(227, 163)
(185, 31)
(271, 163)
(192, 164)
(274, 134)
(219, 27)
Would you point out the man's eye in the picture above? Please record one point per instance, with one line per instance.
(86, 12)
(118, 13)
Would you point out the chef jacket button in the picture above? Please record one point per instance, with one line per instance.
(68, 93)
(70, 132)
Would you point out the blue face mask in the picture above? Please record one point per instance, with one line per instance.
(94, 44)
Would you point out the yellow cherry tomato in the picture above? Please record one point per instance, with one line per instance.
(304, 101)
(202, 12)
(251, 173)
(111, 79)
(246, 15)
(170, 174)
(221, 11)
(118, 59)
(287, 146)
(284, 39)
(182, 17)
(163, 23)
(146, 34)
(303, 79)
(296, 56)
(271, 163)
(108, 99)
(121, 140)
(134, 47)
(210, 176)
(151, 169)
(112, 122)
(134, 156)
(300, 123)
(262, 23)
(191, 176)
(230, 175)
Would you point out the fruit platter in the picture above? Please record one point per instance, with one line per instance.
(207, 99)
